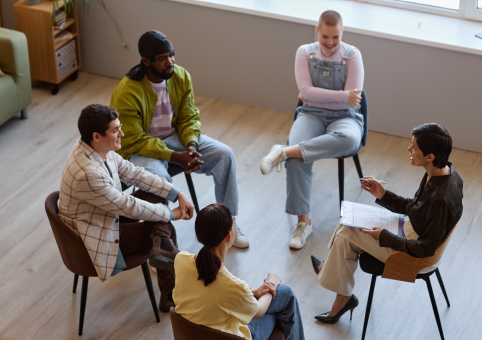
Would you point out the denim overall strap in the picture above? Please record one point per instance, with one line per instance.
(347, 54)
(312, 50)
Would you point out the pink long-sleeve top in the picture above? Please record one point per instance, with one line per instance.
(320, 97)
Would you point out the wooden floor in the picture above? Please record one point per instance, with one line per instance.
(36, 301)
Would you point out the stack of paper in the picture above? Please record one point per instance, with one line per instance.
(364, 216)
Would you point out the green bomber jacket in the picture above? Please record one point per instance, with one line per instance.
(135, 101)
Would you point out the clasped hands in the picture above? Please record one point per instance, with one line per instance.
(185, 211)
(188, 159)
(271, 283)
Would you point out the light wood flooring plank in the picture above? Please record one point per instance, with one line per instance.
(35, 288)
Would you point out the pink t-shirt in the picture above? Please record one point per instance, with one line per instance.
(323, 98)
(161, 125)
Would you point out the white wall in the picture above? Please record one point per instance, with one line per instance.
(249, 59)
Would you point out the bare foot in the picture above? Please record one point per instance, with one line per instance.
(339, 303)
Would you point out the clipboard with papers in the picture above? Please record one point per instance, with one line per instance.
(362, 216)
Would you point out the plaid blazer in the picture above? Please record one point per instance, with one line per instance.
(91, 200)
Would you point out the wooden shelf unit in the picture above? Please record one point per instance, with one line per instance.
(36, 22)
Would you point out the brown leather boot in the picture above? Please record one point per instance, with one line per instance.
(163, 253)
(166, 303)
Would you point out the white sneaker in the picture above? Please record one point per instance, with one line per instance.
(300, 235)
(240, 240)
(273, 160)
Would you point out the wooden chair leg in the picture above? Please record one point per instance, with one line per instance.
(83, 301)
(341, 178)
(358, 166)
(434, 306)
(440, 281)
(369, 305)
(190, 185)
(150, 290)
(76, 279)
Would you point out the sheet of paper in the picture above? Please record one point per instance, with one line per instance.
(366, 216)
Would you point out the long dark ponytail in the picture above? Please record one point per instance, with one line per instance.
(212, 225)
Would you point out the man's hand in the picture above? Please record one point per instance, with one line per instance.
(375, 233)
(176, 214)
(188, 159)
(185, 206)
(195, 163)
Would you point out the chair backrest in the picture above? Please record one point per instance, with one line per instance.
(71, 247)
(186, 330)
(364, 112)
(403, 267)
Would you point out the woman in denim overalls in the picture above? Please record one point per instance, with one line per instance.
(329, 75)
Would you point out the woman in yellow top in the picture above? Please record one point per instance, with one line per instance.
(207, 294)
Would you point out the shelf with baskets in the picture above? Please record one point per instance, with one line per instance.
(54, 52)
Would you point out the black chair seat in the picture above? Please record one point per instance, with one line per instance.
(371, 265)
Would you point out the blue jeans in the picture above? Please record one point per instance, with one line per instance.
(320, 134)
(282, 312)
(218, 160)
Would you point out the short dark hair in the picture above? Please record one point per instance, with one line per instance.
(330, 18)
(434, 139)
(212, 225)
(95, 118)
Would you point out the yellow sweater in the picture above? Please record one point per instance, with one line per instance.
(227, 304)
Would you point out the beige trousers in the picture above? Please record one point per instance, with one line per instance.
(338, 273)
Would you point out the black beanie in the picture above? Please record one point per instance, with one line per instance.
(153, 43)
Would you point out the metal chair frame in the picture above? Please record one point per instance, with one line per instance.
(356, 160)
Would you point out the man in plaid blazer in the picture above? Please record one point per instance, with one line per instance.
(91, 202)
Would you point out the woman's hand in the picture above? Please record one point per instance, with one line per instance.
(273, 278)
(375, 233)
(373, 186)
(354, 98)
(260, 291)
(300, 97)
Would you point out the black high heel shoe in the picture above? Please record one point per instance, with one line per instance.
(350, 306)
(315, 261)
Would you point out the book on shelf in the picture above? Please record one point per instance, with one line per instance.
(59, 26)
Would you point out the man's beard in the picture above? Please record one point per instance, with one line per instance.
(162, 75)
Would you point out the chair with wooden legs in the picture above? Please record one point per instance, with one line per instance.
(77, 259)
(186, 330)
(401, 266)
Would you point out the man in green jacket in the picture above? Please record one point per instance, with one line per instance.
(155, 102)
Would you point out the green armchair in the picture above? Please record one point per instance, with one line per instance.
(15, 84)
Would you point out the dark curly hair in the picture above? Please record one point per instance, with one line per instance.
(95, 118)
